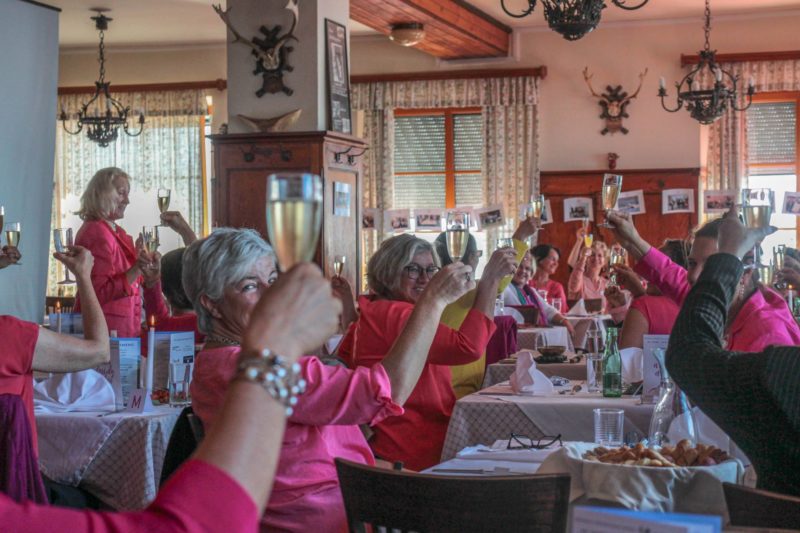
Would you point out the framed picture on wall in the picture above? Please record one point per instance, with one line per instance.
(338, 77)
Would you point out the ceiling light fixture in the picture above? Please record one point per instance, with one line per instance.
(407, 33)
(102, 115)
(707, 105)
(572, 19)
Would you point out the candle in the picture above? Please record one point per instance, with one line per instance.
(718, 74)
(662, 83)
(151, 351)
(58, 316)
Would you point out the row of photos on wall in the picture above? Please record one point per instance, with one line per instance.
(575, 209)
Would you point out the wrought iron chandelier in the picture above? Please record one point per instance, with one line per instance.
(707, 105)
(102, 115)
(572, 19)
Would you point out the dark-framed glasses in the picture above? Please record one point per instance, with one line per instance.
(522, 442)
(415, 271)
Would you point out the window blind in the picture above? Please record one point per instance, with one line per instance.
(771, 138)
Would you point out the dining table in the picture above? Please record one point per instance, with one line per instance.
(502, 370)
(533, 337)
(115, 456)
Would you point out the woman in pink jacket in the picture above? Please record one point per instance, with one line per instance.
(758, 317)
(116, 276)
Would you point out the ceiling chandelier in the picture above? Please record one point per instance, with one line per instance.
(572, 19)
(102, 115)
(707, 105)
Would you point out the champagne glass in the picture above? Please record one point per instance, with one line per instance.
(537, 206)
(505, 242)
(778, 255)
(765, 274)
(150, 239)
(457, 234)
(62, 241)
(757, 207)
(13, 235)
(612, 184)
(588, 239)
(163, 200)
(616, 258)
(338, 264)
(294, 216)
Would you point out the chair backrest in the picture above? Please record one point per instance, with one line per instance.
(186, 435)
(760, 508)
(423, 503)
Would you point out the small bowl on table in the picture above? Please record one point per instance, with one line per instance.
(551, 354)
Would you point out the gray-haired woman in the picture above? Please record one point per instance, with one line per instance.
(224, 275)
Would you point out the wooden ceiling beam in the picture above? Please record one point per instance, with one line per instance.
(453, 28)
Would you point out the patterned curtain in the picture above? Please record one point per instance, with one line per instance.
(510, 131)
(167, 154)
(727, 142)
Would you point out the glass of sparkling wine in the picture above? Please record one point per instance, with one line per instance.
(13, 235)
(163, 200)
(537, 206)
(757, 207)
(294, 216)
(457, 234)
(505, 242)
(612, 184)
(617, 257)
(338, 264)
(62, 241)
(588, 239)
(778, 255)
(150, 239)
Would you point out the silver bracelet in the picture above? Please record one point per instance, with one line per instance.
(270, 371)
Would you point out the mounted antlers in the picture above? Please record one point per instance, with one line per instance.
(613, 101)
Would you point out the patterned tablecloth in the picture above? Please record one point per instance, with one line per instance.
(532, 338)
(582, 325)
(499, 372)
(483, 418)
(121, 461)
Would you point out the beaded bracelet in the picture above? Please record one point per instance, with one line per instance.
(270, 371)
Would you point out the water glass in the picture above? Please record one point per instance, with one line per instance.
(608, 425)
(594, 372)
(180, 377)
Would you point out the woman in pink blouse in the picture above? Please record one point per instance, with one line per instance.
(546, 259)
(224, 276)
(758, 317)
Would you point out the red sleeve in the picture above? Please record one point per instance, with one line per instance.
(154, 304)
(108, 283)
(198, 498)
(17, 347)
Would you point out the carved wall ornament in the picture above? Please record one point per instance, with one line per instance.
(614, 102)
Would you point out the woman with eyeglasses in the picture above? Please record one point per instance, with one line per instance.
(397, 275)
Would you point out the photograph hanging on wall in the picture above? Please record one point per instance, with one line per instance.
(489, 217)
(577, 209)
(631, 202)
(677, 201)
(718, 201)
(338, 77)
(341, 199)
(428, 220)
(369, 218)
(791, 203)
(397, 220)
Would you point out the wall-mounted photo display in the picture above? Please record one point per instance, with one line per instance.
(677, 201)
(397, 220)
(369, 218)
(489, 217)
(791, 203)
(631, 202)
(428, 220)
(718, 201)
(341, 199)
(578, 209)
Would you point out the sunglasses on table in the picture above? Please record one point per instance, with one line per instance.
(521, 442)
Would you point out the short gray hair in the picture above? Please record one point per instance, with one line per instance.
(218, 261)
(96, 199)
(385, 268)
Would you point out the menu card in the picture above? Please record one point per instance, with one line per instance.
(651, 370)
(171, 347)
(612, 520)
(122, 371)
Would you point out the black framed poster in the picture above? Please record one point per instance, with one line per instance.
(338, 77)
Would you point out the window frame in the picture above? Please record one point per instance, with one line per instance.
(450, 171)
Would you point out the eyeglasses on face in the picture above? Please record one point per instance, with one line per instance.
(414, 271)
(521, 442)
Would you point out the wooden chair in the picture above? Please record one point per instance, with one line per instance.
(424, 503)
(760, 508)
(67, 303)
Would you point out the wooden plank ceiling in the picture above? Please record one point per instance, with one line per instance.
(453, 28)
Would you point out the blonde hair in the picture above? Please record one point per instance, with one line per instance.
(600, 246)
(96, 201)
(385, 267)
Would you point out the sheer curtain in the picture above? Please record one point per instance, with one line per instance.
(509, 109)
(166, 155)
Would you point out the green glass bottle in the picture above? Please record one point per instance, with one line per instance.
(612, 366)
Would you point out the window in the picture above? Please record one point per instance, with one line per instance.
(438, 157)
(772, 138)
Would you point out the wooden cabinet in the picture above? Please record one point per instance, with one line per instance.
(242, 163)
(653, 226)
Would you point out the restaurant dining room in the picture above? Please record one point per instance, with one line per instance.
(530, 266)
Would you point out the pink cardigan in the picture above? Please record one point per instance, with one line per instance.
(199, 498)
(763, 320)
(114, 254)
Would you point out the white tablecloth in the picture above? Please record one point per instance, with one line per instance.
(117, 457)
(500, 372)
(483, 418)
(532, 338)
(581, 325)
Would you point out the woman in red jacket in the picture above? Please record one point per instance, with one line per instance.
(116, 276)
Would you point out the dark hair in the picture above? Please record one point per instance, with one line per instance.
(444, 256)
(709, 230)
(541, 251)
(677, 250)
(171, 276)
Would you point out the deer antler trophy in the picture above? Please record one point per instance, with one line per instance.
(270, 52)
(614, 103)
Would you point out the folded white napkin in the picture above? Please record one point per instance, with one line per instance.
(631, 365)
(526, 379)
(578, 309)
(86, 390)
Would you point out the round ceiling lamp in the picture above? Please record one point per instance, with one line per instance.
(407, 33)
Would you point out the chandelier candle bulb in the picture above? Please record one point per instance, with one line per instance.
(662, 83)
(151, 352)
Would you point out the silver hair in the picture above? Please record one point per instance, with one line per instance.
(222, 259)
(385, 267)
